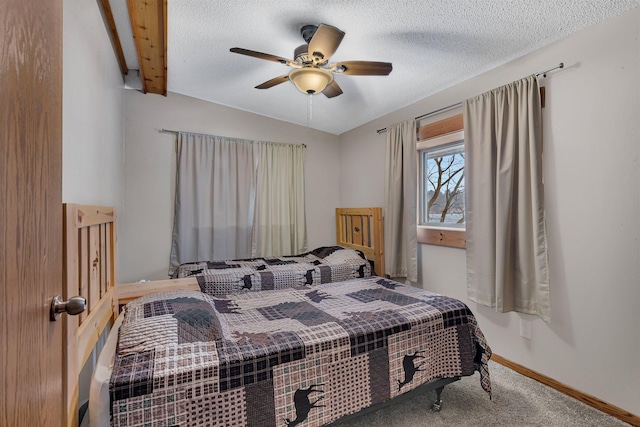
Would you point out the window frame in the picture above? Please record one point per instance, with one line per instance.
(440, 133)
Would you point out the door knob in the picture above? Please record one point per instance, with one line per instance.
(74, 306)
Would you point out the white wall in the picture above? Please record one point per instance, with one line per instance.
(92, 119)
(591, 152)
(146, 220)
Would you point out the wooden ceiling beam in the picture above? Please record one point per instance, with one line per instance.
(149, 27)
(110, 23)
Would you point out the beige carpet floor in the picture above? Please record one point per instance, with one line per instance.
(517, 401)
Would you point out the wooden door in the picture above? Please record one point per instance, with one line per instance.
(31, 355)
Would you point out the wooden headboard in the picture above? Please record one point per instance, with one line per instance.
(361, 228)
(89, 271)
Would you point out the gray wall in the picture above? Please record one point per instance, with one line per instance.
(92, 116)
(591, 150)
(146, 219)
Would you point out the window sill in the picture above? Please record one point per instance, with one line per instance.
(442, 237)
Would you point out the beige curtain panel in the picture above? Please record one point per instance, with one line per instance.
(400, 216)
(280, 226)
(507, 262)
(214, 200)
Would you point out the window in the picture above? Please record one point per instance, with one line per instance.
(442, 184)
(441, 208)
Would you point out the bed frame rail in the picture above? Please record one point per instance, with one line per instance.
(89, 271)
(361, 228)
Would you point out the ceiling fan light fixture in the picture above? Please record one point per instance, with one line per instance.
(311, 80)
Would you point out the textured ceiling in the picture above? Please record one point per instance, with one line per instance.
(432, 44)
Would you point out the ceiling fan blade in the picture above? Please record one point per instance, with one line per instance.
(325, 42)
(273, 82)
(364, 68)
(333, 89)
(260, 55)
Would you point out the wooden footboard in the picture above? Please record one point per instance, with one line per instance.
(89, 271)
(129, 291)
(361, 228)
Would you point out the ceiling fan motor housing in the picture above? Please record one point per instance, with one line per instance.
(308, 31)
(301, 55)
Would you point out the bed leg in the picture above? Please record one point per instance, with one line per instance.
(438, 403)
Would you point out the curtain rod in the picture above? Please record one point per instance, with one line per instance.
(457, 104)
(206, 134)
(544, 73)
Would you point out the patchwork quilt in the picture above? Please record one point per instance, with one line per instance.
(322, 265)
(297, 356)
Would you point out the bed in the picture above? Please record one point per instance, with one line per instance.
(321, 265)
(308, 355)
(311, 354)
(358, 253)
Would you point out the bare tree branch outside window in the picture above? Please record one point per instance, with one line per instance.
(443, 186)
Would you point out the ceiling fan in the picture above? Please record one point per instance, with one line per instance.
(312, 73)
